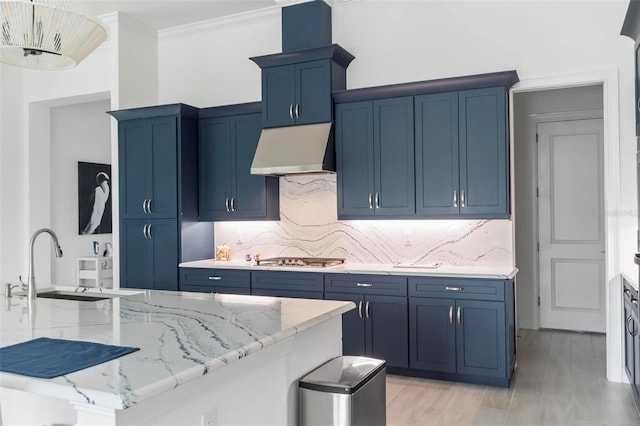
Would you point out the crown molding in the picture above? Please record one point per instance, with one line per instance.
(246, 18)
(217, 24)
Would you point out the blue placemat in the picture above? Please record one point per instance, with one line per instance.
(47, 358)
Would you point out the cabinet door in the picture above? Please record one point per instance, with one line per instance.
(481, 338)
(353, 340)
(249, 191)
(215, 168)
(278, 96)
(164, 169)
(313, 92)
(354, 159)
(135, 254)
(483, 152)
(162, 235)
(432, 340)
(386, 329)
(636, 356)
(393, 138)
(134, 159)
(437, 172)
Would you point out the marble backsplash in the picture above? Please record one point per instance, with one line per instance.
(309, 226)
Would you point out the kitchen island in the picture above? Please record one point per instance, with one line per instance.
(203, 358)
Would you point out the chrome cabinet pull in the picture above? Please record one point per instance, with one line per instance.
(462, 198)
(450, 314)
(297, 110)
(144, 205)
(458, 314)
(144, 231)
(364, 284)
(454, 288)
(215, 278)
(627, 325)
(455, 198)
(149, 231)
(366, 311)
(370, 200)
(233, 204)
(634, 301)
(291, 111)
(149, 210)
(377, 200)
(360, 309)
(226, 203)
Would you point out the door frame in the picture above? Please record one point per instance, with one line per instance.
(608, 78)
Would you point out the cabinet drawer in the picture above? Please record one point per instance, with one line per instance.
(366, 284)
(277, 280)
(214, 289)
(477, 289)
(288, 293)
(229, 278)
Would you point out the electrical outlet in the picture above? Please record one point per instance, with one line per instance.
(408, 241)
(208, 418)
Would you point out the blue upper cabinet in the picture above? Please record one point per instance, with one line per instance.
(460, 165)
(354, 159)
(484, 160)
(375, 158)
(297, 86)
(462, 154)
(228, 191)
(297, 94)
(437, 169)
(148, 168)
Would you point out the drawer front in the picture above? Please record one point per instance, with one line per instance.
(390, 285)
(214, 289)
(278, 280)
(214, 277)
(288, 293)
(468, 288)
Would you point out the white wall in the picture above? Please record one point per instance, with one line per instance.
(79, 132)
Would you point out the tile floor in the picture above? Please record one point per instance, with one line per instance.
(560, 380)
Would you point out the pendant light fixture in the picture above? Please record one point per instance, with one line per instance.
(47, 34)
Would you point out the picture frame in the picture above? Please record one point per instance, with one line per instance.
(94, 198)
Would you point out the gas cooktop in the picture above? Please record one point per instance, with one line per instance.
(317, 262)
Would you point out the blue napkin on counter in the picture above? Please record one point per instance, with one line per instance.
(48, 358)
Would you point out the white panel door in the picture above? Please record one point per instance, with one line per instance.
(571, 225)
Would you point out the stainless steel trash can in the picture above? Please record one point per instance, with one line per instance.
(346, 391)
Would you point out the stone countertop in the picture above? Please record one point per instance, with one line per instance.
(365, 268)
(181, 337)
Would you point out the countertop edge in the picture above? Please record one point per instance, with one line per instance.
(379, 269)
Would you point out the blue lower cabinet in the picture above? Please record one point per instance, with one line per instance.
(481, 338)
(433, 334)
(153, 243)
(304, 285)
(458, 338)
(378, 327)
(211, 280)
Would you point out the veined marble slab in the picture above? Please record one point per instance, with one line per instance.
(440, 270)
(181, 336)
(309, 226)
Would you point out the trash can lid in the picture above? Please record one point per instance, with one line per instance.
(344, 374)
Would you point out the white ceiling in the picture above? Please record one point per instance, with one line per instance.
(162, 14)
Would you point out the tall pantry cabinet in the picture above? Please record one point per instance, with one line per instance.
(158, 195)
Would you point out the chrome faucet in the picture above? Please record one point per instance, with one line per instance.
(30, 286)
